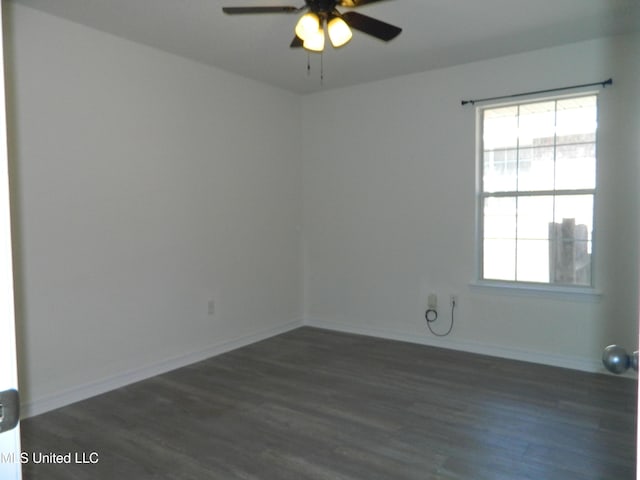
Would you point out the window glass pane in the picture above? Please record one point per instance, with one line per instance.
(499, 250)
(536, 125)
(499, 259)
(531, 264)
(569, 261)
(500, 128)
(535, 169)
(500, 168)
(500, 218)
(578, 208)
(570, 242)
(576, 166)
(535, 214)
(576, 120)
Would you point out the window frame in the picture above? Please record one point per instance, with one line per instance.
(518, 286)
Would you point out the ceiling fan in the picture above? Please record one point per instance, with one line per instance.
(309, 31)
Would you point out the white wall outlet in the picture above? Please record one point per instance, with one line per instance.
(211, 307)
(432, 301)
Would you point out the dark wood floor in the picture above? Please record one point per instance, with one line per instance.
(314, 404)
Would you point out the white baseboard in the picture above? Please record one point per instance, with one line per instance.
(545, 358)
(87, 390)
(91, 389)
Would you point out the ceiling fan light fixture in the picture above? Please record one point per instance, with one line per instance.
(315, 41)
(339, 32)
(307, 26)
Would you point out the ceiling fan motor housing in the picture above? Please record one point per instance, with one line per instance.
(322, 7)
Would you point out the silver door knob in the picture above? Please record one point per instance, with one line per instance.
(9, 410)
(617, 360)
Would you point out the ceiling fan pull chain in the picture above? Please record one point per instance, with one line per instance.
(308, 64)
(321, 68)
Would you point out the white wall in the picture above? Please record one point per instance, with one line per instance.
(144, 185)
(389, 214)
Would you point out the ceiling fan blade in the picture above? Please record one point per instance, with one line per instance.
(355, 3)
(296, 42)
(243, 10)
(371, 26)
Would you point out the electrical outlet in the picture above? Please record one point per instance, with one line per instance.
(211, 307)
(453, 299)
(432, 301)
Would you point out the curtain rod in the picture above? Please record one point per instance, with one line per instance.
(572, 87)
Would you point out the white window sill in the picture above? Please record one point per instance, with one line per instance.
(581, 294)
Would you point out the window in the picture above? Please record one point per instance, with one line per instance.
(537, 189)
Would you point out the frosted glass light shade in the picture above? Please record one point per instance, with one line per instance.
(315, 41)
(339, 32)
(308, 25)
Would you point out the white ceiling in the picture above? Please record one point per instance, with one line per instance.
(436, 33)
